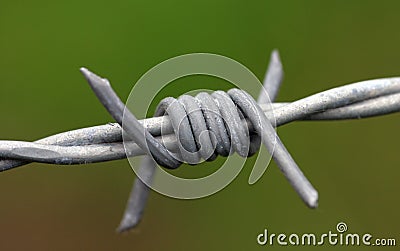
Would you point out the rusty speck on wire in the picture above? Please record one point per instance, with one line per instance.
(239, 118)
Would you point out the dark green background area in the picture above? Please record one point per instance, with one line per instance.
(323, 44)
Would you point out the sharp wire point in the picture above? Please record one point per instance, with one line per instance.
(272, 80)
(241, 113)
(281, 155)
(138, 196)
(268, 93)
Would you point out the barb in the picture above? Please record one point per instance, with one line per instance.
(104, 143)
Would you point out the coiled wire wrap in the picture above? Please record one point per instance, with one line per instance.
(209, 125)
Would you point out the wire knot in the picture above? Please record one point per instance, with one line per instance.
(209, 125)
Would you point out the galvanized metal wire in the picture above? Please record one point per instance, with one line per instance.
(244, 118)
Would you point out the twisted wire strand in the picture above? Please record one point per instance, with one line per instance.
(379, 97)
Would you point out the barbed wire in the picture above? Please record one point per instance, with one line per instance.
(240, 118)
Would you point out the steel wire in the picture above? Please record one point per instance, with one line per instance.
(163, 139)
(371, 102)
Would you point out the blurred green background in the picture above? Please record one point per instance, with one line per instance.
(323, 44)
